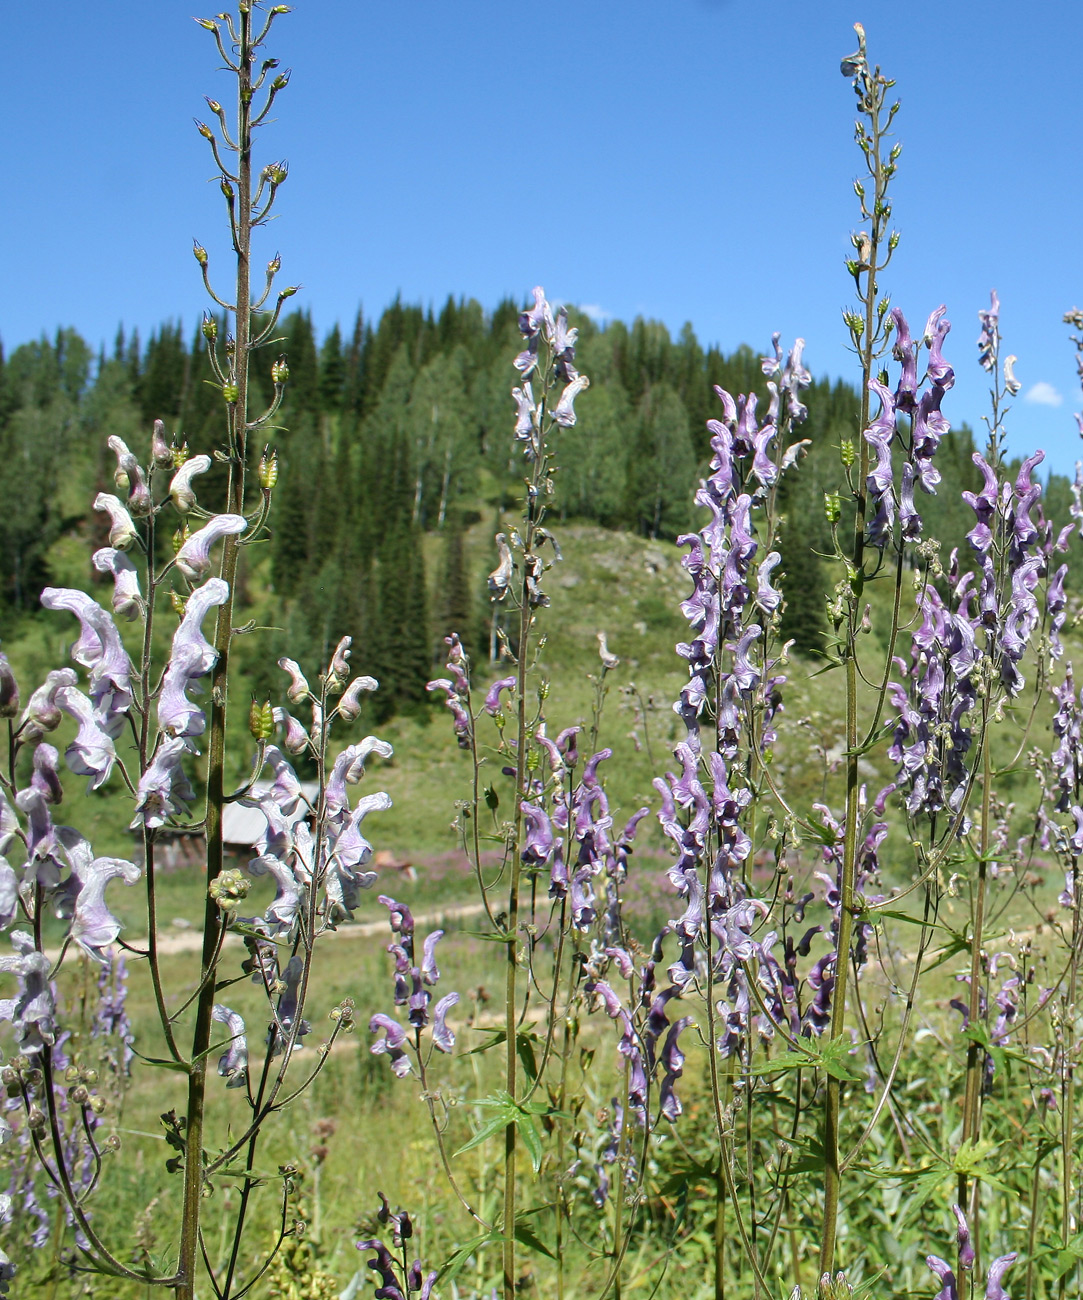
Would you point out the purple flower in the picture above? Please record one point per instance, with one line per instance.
(233, 1063)
(945, 1276)
(392, 1043)
(93, 926)
(966, 1247)
(905, 351)
(42, 713)
(501, 575)
(194, 557)
(997, 1269)
(492, 697)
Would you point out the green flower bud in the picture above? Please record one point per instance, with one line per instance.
(210, 328)
(832, 507)
(280, 371)
(207, 24)
(200, 253)
(847, 452)
(227, 189)
(204, 130)
(230, 392)
(288, 291)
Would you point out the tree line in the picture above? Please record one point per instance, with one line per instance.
(402, 427)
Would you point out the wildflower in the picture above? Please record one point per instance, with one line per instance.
(127, 601)
(193, 657)
(180, 489)
(193, 559)
(122, 530)
(164, 789)
(233, 1063)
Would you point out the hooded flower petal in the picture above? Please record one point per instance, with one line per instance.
(122, 530)
(180, 489)
(442, 1036)
(127, 601)
(193, 657)
(233, 1063)
(194, 558)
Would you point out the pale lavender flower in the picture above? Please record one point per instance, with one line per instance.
(42, 713)
(122, 530)
(989, 339)
(164, 789)
(93, 926)
(349, 706)
(180, 489)
(296, 739)
(194, 558)
(525, 408)
(92, 752)
(298, 689)
(501, 575)
(32, 1011)
(100, 651)
(127, 601)
(564, 411)
(443, 1037)
(193, 657)
(9, 689)
(233, 1063)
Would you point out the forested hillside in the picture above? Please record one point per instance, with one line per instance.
(404, 428)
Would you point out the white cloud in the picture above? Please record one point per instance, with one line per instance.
(597, 314)
(1043, 394)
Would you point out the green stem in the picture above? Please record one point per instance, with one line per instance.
(201, 1035)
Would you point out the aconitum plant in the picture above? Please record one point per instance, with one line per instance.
(858, 1022)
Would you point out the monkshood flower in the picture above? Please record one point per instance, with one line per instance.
(92, 752)
(993, 1288)
(628, 1047)
(233, 1063)
(180, 489)
(397, 1281)
(413, 983)
(32, 1011)
(501, 575)
(989, 338)
(82, 896)
(457, 689)
(286, 1011)
(122, 530)
(193, 657)
(194, 557)
(927, 427)
(99, 650)
(127, 600)
(164, 789)
(42, 713)
(788, 376)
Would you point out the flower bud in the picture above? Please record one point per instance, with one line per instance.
(204, 130)
(9, 690)
(288, 291)
(280, 371)
(160, 452)
(230, 392)
(213, 104)
(200, 253)
(35, 1119)
(846, 450)
(227, 189)
(97, 1105)
(79, 1095)
(268, 469)
(207, 24)
(261, 721)
(90, 1076)
(274, 265)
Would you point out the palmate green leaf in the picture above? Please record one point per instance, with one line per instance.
(831, 1055)
(526, 1237)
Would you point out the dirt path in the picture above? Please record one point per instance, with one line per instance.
(173, 942)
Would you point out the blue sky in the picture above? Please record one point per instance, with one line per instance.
(688, 160)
